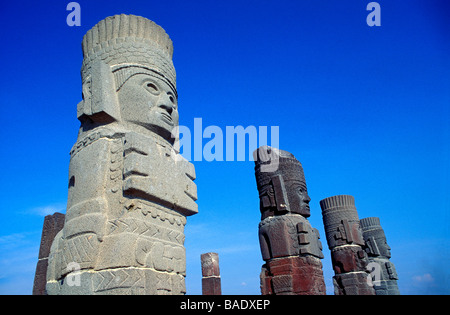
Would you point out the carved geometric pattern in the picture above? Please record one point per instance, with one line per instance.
(131, 279)
(146, 228)
(81, 249)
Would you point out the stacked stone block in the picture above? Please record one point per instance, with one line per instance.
(52, 225)
(211, 284)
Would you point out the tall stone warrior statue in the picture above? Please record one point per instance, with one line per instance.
(384, 274)
(344, 238)
(129, 188)
(290, 246)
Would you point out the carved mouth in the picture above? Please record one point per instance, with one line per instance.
(166, 118)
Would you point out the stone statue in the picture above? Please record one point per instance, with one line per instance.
(384, 275)
(129, 188)
(290, 246)
(346, 243)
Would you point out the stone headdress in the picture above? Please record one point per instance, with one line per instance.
(114, 50)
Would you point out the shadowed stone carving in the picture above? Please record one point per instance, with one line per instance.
(346, 243)
(290, 246)
(129, 188)
(211, 284)
(385, 276)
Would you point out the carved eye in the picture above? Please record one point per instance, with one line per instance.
(172, 99)
(152, 88)
(303, 190)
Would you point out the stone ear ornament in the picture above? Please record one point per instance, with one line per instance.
(372, 247)
(281, 199)
(100, 102)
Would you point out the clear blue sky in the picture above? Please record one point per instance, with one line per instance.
(365, 110)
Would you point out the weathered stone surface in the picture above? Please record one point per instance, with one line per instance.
(296, 275)
(211, 283)
(265, 281)
(211, 286)
(288, 235)
(52, 225)
(210, 265)
(384, 274)
(129, 188)
(354, 283)
(120, 281)
(290, 246)
(348, 258)
(40, 277)
(344, 238)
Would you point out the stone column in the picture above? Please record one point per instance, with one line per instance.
(290, 246)
(129, 188)
(345, 241)
(384, 276)
(210, 274)
(52, 225)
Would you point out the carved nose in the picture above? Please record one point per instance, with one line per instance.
(165, 103)
(166, 107)
(307, 199)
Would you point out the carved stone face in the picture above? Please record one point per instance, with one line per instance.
(385, 249)
(382, 245)
(149, 102)
(298, 197)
